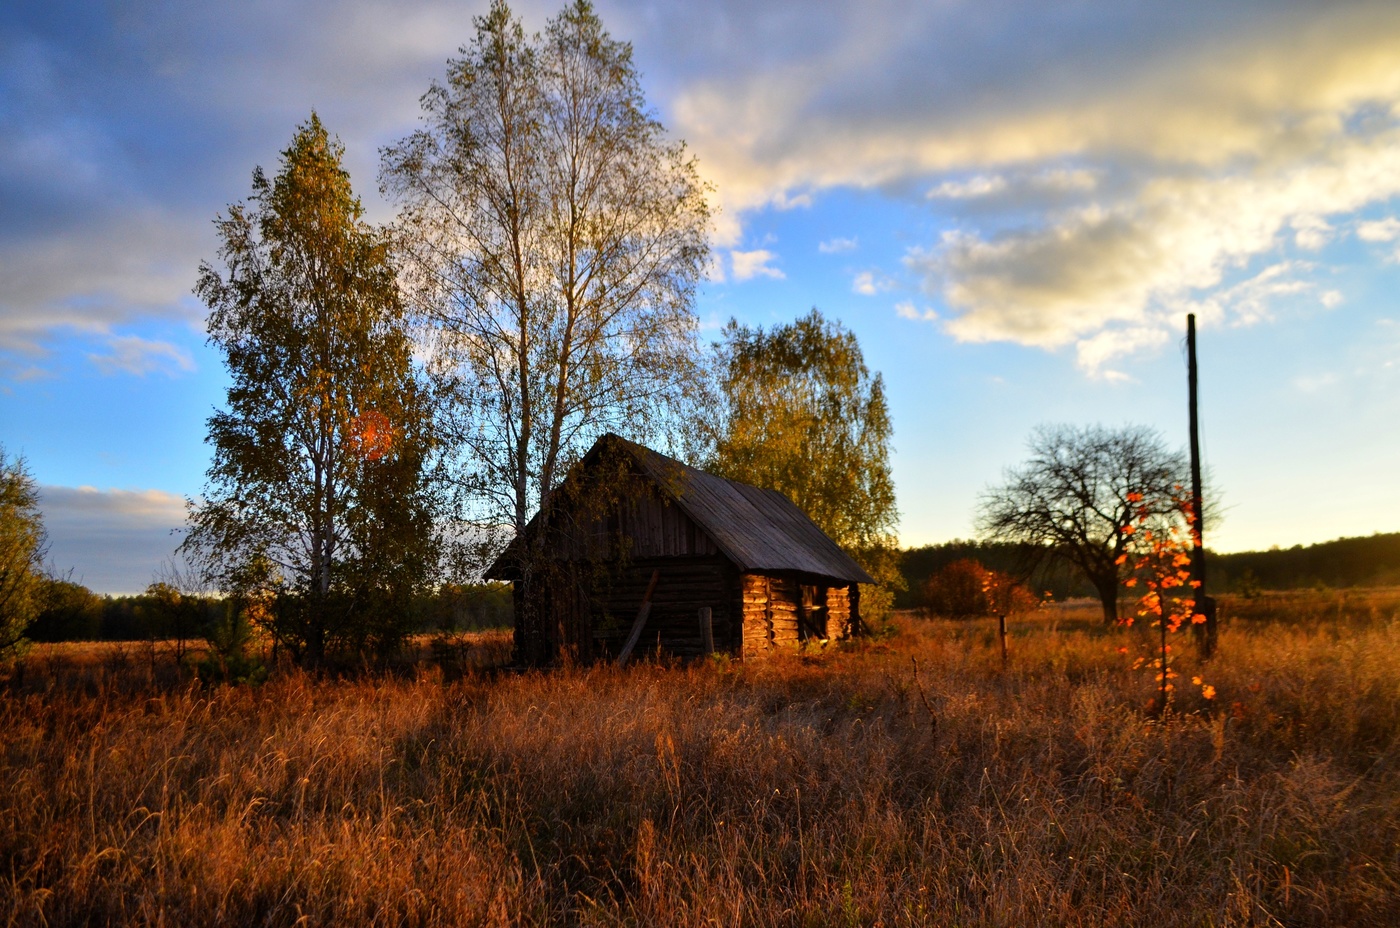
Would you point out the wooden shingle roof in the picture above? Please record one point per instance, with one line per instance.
(756, 529)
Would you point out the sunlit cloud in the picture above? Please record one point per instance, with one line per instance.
(1128, 185)
(1087, 269)
(1381, 230)
(750, 264)
(1311, 232)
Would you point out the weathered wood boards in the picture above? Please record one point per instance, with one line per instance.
(741, 570)
(642, 613)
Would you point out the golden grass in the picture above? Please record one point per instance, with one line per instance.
(833, 789)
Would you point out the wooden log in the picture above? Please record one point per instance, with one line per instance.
(642, 614)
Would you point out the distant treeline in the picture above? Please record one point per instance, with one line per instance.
(1026, 562)
(1346, 562)
(72, 612)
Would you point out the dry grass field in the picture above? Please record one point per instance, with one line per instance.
(838, 788)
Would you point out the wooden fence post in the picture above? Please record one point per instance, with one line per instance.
(1001, 630)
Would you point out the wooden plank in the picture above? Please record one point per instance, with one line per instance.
(642, 614)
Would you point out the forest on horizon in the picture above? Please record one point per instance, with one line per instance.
(1343, 563)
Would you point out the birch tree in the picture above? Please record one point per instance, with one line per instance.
(317, 501)
(553, 238)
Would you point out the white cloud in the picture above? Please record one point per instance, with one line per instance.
(1381, 230)
(112, 540)
(95, 279)
(1029, 188)
(1252, 300)
(750, 264)
(130, 354)
(837, 246)
(868, 283)
(906, 309)
(1092, 353)
(1311, 232)
(1314, 383)
(714, 268)
(1331, 299)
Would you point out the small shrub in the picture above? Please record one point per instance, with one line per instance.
(957, 591)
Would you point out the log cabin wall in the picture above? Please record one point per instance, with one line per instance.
(593, 607)
(757, 630)
(780, 611)
(838, 612)
(784, 598)
(683, 587)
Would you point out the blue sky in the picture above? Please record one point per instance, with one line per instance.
(1013, 205)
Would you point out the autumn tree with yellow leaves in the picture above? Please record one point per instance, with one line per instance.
(317, 503)
(803, 415)
(23, 544)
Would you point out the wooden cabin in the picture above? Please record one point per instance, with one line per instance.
(639, 553)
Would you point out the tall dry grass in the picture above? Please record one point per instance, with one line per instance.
(844, 788)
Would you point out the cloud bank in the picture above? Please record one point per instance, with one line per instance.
(1132, 164)
(113, 541)
(1096, 166)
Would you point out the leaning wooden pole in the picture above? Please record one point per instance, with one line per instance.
(641, 622)
(1204, 604)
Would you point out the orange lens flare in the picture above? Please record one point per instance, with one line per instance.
(371, 435)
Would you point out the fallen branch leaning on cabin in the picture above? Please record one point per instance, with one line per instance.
(641, 622)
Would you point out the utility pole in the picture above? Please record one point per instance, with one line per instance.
(1203, 605)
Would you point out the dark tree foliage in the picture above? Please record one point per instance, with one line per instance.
(803, 415)
(70, 612)
(1081, 496)
(957, 591)
(22, 547)
(318, 514)
(1345, 562)
(1029, 564)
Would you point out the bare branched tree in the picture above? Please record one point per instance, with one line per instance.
(553, 238)
(1082, 495)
